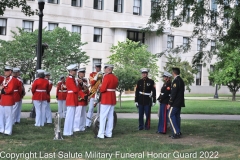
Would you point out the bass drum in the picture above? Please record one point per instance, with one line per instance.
(95, 123)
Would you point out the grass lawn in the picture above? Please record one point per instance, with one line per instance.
(204, 138)
(192, 107)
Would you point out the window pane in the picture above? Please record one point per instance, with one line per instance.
(3, 22)
(76, 29)
(95, 61)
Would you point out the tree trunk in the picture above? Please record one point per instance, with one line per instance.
(234, 96)
(120, 99)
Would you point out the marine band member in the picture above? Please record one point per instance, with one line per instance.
(61, 94)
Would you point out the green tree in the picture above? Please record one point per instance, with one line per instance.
(26, 9)
(227, 69)
(64, 48)
(209, 19)
(187, 71)
(128, 58)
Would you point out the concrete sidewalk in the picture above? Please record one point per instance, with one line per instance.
(154, 116)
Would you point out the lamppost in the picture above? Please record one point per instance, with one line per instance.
(41, 4)
(216, 92)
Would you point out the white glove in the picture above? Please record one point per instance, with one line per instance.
(136, 103)
(96, 76)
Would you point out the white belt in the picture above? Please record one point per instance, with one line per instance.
(62, 91)
(15, 90)
(70, 91)
(162, 93)
(40, 90)
(147, 94)
(111, 90)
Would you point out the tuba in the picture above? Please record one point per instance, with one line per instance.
(94, 88)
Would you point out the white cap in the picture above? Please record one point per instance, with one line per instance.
(61, 77)
(16, 70)
(98, 64)
(167, 74)
(72, 67)
(8, 68)
(82, 70)
(40, 71)
(144, 70)
(47, 73)
(108, 65)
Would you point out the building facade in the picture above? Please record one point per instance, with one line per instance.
(102, 23)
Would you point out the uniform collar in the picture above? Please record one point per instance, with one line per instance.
(145, 78)
(176, 77)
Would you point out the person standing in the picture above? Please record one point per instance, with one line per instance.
(94, 83)
(71, 100)
(80, 114)
(6, 102)
(163, 101)
(40, 89)
(144, 96)
(61, 94)
(18, 114)
(108, 101)
(175, 103)
(17, 95)
(48, 119)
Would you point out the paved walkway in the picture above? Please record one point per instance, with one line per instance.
(154, 116)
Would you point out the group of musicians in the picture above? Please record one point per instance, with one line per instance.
(73, 95)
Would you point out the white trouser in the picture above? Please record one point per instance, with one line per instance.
(80, 119)
(69, 120)
(106, 113)
(48, 113)
(40, 112)
(90, 112)
(15, 111)
(62, 108)
(6, 119)
(18, 115)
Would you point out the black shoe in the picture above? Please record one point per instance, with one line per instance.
(107, 137)
(175, 136)
(140, 129)
(17, 122)
(160, 132)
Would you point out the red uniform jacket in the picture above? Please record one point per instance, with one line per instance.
(92, 81)
(50, 88)
(40, 89)
(61, 91)
(7, 97)
(82, 95)
(17, 90)
(72, 92)
(1, 81)
(108, 88)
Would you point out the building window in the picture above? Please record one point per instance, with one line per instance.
(170, 41)
(185, 41)
(211, 70)
(95, 61)
(118, 6)
(137, 7)
(171, 9)
(154, 5)
(213, 11)
(76, 29)
(201, 17)
(136, 36)
(3, 26)
(97, 37)
(199, 44)
(98, 4)
(77, 3)
(236, 3)
(186, 13)
(213, 45)
(28, 26)
(53, 1)
(52, 26)
(199, 75)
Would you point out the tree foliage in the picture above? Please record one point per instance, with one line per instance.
(128, 58)
(187, 71)
(209, 20)
(64, 48)
(26, 9)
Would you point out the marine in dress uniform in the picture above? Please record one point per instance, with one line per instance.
(61, 94)
(163, 101)
(71, 100)
(48, 108)
(6, 102)
(144, 96)
(18, 114)
(92, 80)
(40, 89)
(108, 102)
(175, 103)
(80, 114)
(17, 94)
